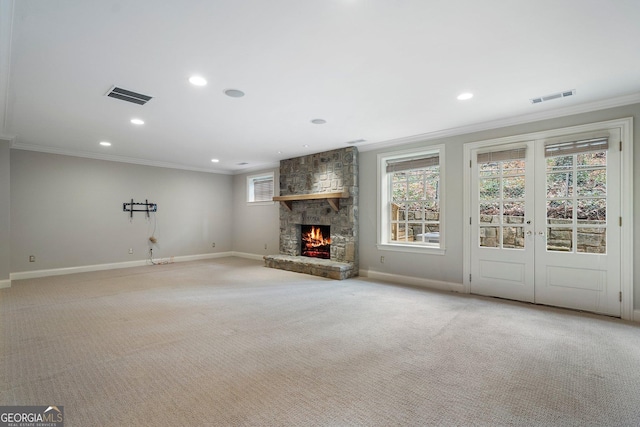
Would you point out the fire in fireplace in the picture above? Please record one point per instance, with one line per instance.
(315, 241)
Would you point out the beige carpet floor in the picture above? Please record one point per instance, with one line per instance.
(228, 342)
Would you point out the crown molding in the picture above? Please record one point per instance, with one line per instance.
(112, 158)
(509, 121)
(259, 168)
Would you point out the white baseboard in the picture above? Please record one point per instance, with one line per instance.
(414, 281)
(5, 284)
(256, 257)
(111, 266)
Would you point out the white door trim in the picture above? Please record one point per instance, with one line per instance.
(626, 178)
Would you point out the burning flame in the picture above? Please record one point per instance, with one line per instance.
(314, 238)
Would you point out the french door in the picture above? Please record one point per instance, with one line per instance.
(544, 221)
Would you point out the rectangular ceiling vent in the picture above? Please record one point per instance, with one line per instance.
(129, 96)
(356, 141)
(553, 96)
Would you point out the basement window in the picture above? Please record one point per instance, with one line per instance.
(411, 204)
(260, 188)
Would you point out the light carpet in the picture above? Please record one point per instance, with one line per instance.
(228, 342)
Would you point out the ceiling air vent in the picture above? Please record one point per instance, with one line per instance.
(129, 96)
(553, 96)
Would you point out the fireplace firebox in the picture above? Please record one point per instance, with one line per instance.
(315, 241)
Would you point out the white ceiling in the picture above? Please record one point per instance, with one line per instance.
(380, 70)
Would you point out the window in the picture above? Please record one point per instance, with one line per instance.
(410, 208)
(260, 188)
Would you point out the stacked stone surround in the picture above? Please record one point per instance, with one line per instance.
(327, 172)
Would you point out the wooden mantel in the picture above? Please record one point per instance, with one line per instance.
(332, 198)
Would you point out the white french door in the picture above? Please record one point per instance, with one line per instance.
(544, 221)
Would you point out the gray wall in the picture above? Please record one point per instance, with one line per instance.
(5, 205)
(450, 266)
(255, 225)
(67, 211)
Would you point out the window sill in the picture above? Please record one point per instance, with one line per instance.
(416, 249)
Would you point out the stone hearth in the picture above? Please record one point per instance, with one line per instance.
(319, 189)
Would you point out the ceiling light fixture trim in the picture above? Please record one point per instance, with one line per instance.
(234, 93)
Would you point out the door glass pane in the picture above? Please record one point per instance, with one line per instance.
(592, 183)
(489, 237)
(559, 185)
(513, 167)
(488, 169)
(513, 237)
(514, 187)
(559, 212)
(592, 159)
(490, 189)
(513, 213)
(560, 163)
(559, 239)
(592, 240)
(592, 211)
(489, 212)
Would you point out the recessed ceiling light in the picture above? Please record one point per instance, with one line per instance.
(197, 81)
(137, 121)
(234, 93)
(306, 145)
(465, 96)
(215, 160)
(318, 121)
(105, 144)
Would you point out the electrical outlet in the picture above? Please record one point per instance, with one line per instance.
(265, 246)
(381, 260)
(130, 250)
(213, 245)
(32, 258)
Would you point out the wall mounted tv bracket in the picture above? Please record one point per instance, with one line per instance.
(148, 207)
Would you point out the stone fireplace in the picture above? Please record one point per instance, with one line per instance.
(319, 191)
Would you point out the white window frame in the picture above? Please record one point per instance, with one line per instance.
(384, 197)
(251, 179)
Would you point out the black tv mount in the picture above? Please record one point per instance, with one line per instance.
(148, 207)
